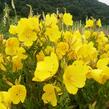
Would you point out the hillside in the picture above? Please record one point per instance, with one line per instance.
(79, 8)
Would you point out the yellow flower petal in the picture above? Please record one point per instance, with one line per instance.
(50, 95)
(47, 68)
(17, 93)
(75, 76)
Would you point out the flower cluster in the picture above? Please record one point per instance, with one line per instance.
(49, 52)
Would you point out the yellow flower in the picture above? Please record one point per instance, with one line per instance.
(2, 106)
(75, 76)
(13, 49)
(12, 44)
(27, 37)
(62, 49)
(52, 29)
(67, 19)
(53, 33)
(106, 47)
(13, 29)
(50, 94)
(97, 75)
(89, 23)
(17, 63)
(5, 101)
(76, 41)
(87, 53)
(101, 74)
(98, 23)
(68, 36)
(51, 20)
(34, 23)
(101, 40)
(47, 68)
(17, 93)
(87, 34)
(105, 73)
(17, 60)
(26, 30)
(21, 53)
(94, 34)
(102, 63)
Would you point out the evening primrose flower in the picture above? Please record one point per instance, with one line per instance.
(21, 53)
(75, 76)
(17, 93)
(5, 101)
(34, 23)
(2, 106)
(12, 44)
(67, 19)
(13, 29)
(26, 30)
(98, 23)
(76, 41)
(53, 33)
(17, 59)
(18, 53)
(89, 23)
(47, 68)
(97, 75)
(51, 20)
(17, 63)
(50, 94)
(101, 40)
(68, 36)
(62, 49)
(102, 63)
(27, 37)
(52, 29)
(87, 53)
(106, 48)
(101, 74)
(87, 34)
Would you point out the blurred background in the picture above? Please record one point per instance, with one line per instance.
(79, 8)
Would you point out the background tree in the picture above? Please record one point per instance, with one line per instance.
(79, 8)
